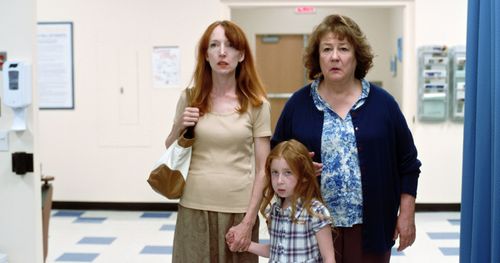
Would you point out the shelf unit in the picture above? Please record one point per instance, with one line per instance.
(457, 82)
(433, 92)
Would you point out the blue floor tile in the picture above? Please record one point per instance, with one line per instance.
(78, 257)
(167, 228)
(92, 220)
(156, 215)
(444, 235)
(450, 251)
(68, 213)
(395, 252)
(164, 250)
(97, 240)
(264, 241)
(109, 241)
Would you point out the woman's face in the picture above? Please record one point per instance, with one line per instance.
(221, 55)
(337, 59)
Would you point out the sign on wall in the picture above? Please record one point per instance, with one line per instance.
(166, 66)
(55, 65)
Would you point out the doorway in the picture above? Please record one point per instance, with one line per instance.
(279, 63)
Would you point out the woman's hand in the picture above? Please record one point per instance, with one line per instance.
(318, 167)
(405, 225)
(189, 117)
(406, 231)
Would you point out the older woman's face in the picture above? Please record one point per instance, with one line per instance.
(337, 59)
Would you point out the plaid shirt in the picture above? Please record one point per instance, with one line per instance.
(296, 242)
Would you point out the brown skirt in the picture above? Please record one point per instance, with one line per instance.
(200, 237)
(348, 245)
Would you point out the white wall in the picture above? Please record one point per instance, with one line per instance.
(396, 30)
(20, 196)
(103, 150)
(96, 154)
(441, 22)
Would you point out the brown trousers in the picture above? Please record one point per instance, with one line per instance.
(348, 247)
(200, 237)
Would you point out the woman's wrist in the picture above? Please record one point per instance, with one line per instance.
(248, 222)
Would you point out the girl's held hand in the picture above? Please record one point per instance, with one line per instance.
(229, 239)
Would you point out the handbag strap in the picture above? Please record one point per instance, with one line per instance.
(189, 133)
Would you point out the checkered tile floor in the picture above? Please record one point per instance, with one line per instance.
(146, 237)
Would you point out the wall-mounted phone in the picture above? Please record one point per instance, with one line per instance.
(17, 91)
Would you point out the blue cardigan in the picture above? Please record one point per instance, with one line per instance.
(387, 155)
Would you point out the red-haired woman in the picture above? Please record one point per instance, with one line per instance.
(231, 116)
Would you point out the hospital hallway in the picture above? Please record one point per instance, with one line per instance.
(103, 236)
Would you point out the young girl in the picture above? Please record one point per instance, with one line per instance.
(299, 223)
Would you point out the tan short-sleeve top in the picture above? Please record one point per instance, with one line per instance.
(222, 170)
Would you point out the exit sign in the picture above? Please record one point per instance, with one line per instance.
(305, 10)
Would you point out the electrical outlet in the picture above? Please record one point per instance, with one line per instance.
(4, 141)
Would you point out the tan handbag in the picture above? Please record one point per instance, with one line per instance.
(170, 171)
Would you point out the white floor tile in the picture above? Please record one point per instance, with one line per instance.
(133, 233)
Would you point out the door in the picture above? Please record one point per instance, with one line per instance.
(279, 63)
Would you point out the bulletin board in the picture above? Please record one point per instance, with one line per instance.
(55, 65)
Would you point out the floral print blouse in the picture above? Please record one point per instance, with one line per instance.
(341, 175)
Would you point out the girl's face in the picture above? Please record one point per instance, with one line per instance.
(221, 54)
(337, 59)
(283, 180)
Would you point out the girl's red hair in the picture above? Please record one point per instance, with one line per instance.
(297, 157)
